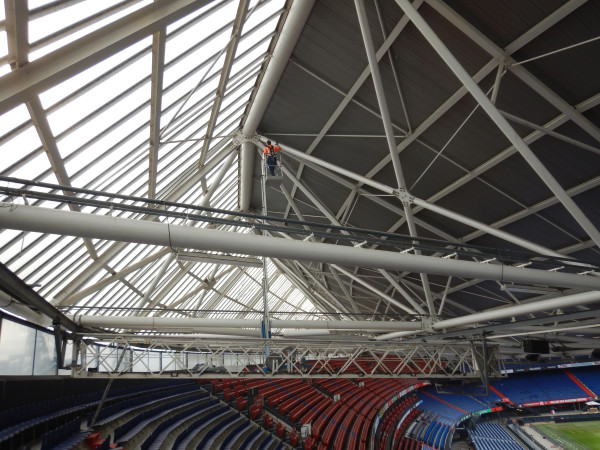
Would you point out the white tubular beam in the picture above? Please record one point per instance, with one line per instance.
(159, 323)
(157, 277)
(389, 130)
(345, 325)
(294, 23)
(42, 220)
(487, 228)
(402, 292)
(379, 90)
(153, 323)
(17, 28)
(519, 310)
(354, 176)
(236, 33)
(424, 204)
(315, 201)
(372, 288)
(500, 121)
(395, 335)
(158, 65)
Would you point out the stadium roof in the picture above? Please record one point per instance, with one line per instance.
(440, 164)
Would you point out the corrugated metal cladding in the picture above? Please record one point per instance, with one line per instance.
(460, 159)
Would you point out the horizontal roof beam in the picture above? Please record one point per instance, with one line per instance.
(44, 220)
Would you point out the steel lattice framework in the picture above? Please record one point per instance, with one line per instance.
(128, 356)
(439, 177)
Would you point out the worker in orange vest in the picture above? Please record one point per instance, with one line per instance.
(270, 151)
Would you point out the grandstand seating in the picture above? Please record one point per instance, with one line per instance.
(492, 436)
(539, 386)
(179, 415)
(28, 422)
(443, 410)
(589, 377)
(63, 437)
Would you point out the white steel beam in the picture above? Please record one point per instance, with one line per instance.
(31, 218)
(490, 47)
(500, 121)
(156, 83)
(17, 28)
(519, 310)
(349, 96)
(73, 58)
(236, 33)
(389, 132)
(511, 150)
(39, 119)
(172, 323)
(402, 291)
(406, 197)
(332, 297)
(293, 26)
(549, 132)
(373, 289)
(301, 285)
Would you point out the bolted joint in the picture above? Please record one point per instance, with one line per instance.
(238, 139)
(405, 197)
(427, 323)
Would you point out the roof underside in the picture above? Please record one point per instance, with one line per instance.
(146, 99)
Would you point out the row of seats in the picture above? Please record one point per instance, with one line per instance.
(64, 437)
(26, 423)
(392, 417)
(346, 424)
(589, 376)
(492, 436)
(402, 427)
(444, 411)
(137, 421)
(119, 408)
(542, 386)
(461, 401)
(407, 443)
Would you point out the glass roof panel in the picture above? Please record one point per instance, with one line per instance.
(100, 120)
(76, 20)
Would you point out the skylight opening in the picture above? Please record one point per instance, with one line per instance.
(11, 120)
(42, 275)
(35, 169)
(180, 94)
(233, 102)
(106, 181)
(105, 161)
(112, 135)
(76, 21)
(207, 12)
(29, 259)
(17, 147)
(120, 83)
(65, 269)
(264, 9)
(176, 154)
(71, 88)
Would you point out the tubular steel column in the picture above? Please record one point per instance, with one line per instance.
(389, 132)
(266, 326)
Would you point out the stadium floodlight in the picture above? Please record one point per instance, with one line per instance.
(213, 258)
